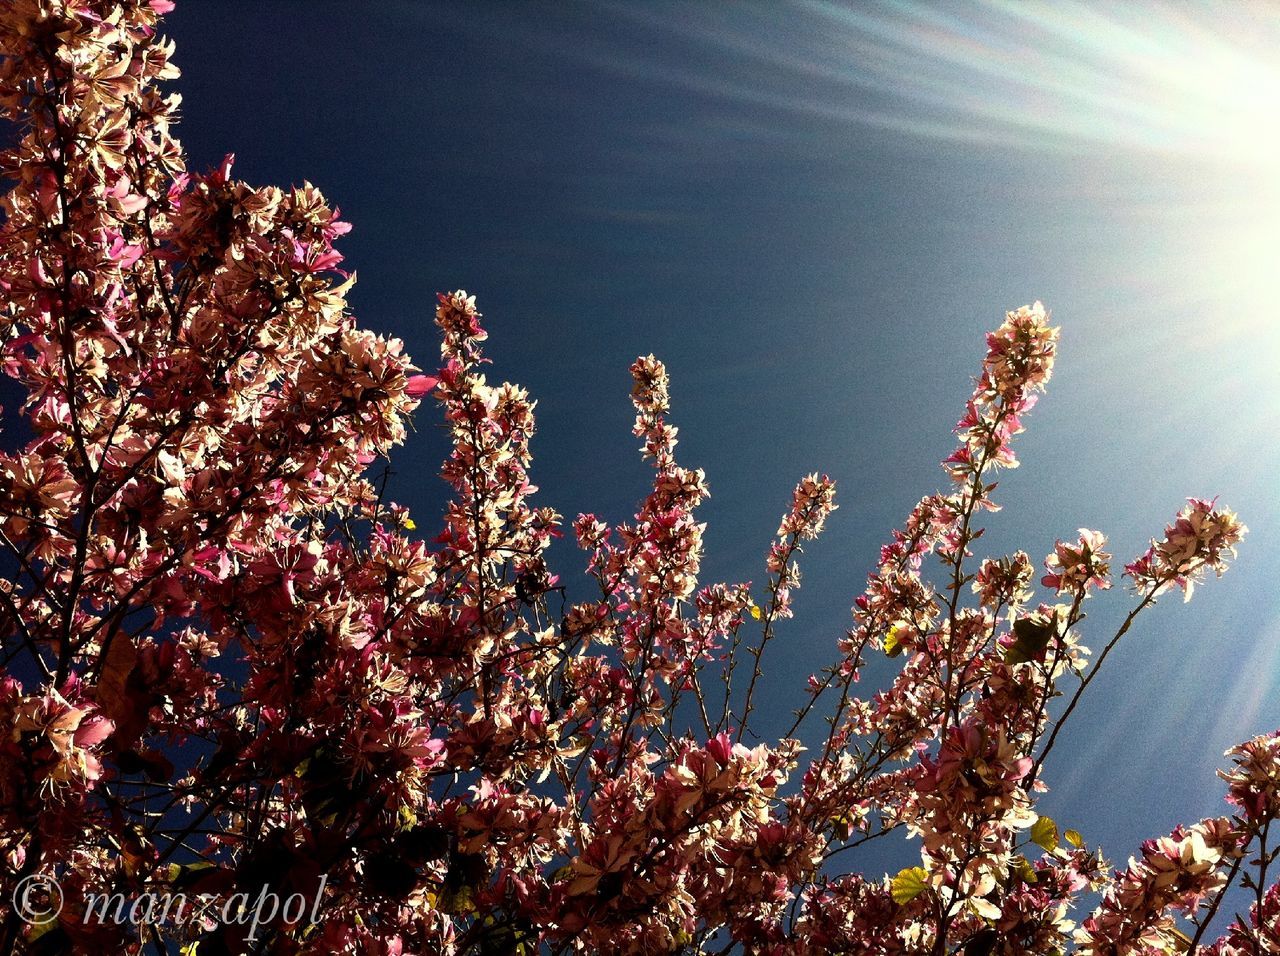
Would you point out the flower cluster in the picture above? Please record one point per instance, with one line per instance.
(1200, 540)
(1175, 872)
(1260, 933)
(55, 740)
(1254, 780)
(1004, 582)
(1019, 363)
(1074, 568)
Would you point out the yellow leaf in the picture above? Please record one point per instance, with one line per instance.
(909, 884)
(1044, 833)
(1022, 866)
(1074, 838)
(40, 927)
(893, 640)
(756, 612)
(410, 524)
(112, 694)
(459, 903)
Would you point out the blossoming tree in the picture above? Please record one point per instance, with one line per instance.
(231, 664)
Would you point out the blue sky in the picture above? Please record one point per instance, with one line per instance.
(811, 213)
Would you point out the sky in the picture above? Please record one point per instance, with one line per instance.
(811, 213)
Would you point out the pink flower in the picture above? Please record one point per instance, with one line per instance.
(1201, 538)
(1075, 568)
(1255, 778)
(420, 385)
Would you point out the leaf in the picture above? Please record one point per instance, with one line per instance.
(47, 939)
(389, 875)
(1074, 838)
(457, 903)
(183, 876)
(893, 640)
(154, 764)
(424, 844)
(115, 694)
(1044, 833)
(1031, 637)
(756, 612)
(1026, 872)
(909, 884)
(981, 943)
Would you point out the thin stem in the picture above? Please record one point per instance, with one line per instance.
(1088, 679)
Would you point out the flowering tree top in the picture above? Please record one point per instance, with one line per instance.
(232, 666)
